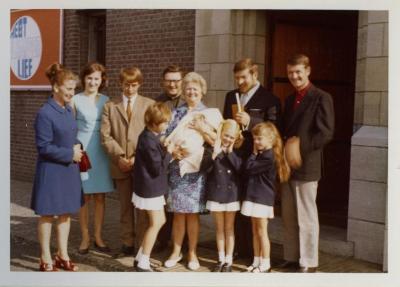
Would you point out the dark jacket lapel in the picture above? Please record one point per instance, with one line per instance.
(308, 98)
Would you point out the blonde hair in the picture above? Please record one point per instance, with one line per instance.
(194, 77)
(268, 128)
(230, 124)
(156, 114)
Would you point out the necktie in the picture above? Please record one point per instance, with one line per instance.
(129, 110)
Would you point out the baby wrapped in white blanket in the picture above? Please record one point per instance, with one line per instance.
(191, 140)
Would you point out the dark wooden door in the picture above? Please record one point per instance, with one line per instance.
(329, 38)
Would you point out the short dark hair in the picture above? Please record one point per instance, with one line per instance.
(244, 64)
(299, 59)
(91, 68)
(173, 69)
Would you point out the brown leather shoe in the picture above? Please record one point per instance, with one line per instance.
(307, 269)
(288, 266)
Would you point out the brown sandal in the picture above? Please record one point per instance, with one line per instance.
(67, 265)
(46, 267)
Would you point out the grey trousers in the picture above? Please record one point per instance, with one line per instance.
(300, 222)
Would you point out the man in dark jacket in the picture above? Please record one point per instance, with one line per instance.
(308, 125)
(258, 105)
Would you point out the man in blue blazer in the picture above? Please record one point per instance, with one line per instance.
(308, 125)
(258, 105)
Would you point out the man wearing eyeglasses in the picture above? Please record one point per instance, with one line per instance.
(171, 83)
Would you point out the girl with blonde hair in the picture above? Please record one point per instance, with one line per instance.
(223, 189)
(265, 164)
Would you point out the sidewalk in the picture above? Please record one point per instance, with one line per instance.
(24, 253)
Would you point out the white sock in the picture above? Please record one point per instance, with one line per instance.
(264, 264)
(228, 259)
(256, 261)
(144, 262)
(221, 257)
(139, 254)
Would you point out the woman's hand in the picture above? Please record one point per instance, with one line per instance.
(77, 153)
(198, 123)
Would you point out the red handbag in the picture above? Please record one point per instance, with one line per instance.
(84, 164)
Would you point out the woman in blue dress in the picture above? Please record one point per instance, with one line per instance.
(186, 195)
(57, 185)
(97, 181)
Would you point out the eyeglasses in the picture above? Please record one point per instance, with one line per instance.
(172, 81)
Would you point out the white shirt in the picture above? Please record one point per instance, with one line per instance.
(125, 101)
(245, 98)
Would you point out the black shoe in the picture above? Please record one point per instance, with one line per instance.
(307, 269)
(218, 267)
(83, 251)
(124, 251)
(138, 269)
(226, 268)
(127, 250)
(104, 249)
(290, 266)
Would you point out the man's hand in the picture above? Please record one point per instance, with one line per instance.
(124, 164)
(292, 152)
(242, 118)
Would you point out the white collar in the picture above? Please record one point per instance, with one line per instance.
(250, 93)
(125, 100)
(253, 90)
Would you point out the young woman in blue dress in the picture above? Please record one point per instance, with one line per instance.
(96, 182)
(57, 185)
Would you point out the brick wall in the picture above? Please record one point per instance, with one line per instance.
(149, 39)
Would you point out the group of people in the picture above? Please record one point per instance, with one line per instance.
(173, 159)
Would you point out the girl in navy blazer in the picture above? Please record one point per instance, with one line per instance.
(261, 168)
(150, 180)
(223, 189)
(57, 187)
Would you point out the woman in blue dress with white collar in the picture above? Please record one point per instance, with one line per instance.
(57, 190)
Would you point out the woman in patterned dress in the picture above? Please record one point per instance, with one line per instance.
(96, 182)
(186, 197)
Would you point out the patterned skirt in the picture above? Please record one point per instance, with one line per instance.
(186, 194)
